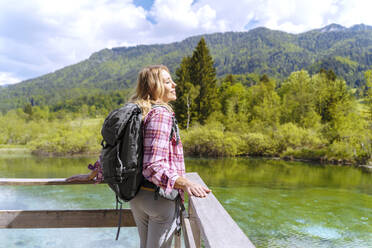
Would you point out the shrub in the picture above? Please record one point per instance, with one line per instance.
(352, 150)
(210, 140)
(340, 150)
(291, 136)
(67, 139)
(257, 144)
(305, 153)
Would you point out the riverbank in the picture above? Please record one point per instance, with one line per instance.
(364, 167)
(24, 150)
(16, 150)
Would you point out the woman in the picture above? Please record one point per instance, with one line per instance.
(163, 162)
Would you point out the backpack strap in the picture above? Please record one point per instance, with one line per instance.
(120, 212)
(175, 129)
(180, 213)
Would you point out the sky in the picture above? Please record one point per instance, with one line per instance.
(41, 36)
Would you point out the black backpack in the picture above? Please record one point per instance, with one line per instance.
(122, 152)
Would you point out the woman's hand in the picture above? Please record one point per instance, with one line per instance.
(193, 189)
(82, 177)
(79, 178)
(196, 189)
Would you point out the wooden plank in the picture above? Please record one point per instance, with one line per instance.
(38, 181)
(194, 225)
(64, 218)
(177, 241)
(216, 225)
(187, 233)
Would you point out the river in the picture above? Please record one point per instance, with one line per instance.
(276, 203)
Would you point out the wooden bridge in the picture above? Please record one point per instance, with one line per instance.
(206, 222)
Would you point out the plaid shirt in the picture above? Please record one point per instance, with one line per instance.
(163, 158)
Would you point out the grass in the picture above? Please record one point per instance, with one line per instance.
(18, 150)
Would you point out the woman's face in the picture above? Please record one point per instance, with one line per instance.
(169, 87)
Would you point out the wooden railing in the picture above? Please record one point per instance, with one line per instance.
(206, 221)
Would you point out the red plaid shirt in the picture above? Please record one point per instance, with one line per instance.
(163, 158)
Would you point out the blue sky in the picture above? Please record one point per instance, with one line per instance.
(41, 36)
(146, 4)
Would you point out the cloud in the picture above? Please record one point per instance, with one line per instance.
(40, 36)
(354, 12)
(37, 37)
(288, 15)
(175, 20)
(7, 78)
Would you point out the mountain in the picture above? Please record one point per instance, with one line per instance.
(332, 28)
(347, 51)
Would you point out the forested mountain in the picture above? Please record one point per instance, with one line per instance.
(347, 51)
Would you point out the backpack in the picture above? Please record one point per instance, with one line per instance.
(122, 152)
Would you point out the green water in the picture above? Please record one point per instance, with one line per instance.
(276, 203)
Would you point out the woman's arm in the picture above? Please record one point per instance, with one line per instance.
(156, 161)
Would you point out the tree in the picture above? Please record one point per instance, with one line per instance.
(298, 100)
(264, 102)
(196, 87)
(191, 93)
(234, 105)
(28, 109)
(184, 107)
(229, 79)
(203, 74)
(332, 96)
(368, 77)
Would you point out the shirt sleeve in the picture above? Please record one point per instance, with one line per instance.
(97, 167)
(156, 164)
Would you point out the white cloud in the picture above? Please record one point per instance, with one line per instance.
(355, 12)
(7, 78)
(40, 36)
(293, 16)
(288, 15)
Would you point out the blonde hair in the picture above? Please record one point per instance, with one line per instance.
(150, 88)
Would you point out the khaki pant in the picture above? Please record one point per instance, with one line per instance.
(155, 219)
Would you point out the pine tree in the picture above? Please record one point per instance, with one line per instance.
(196, 87)
(203, 74)
(182, 77)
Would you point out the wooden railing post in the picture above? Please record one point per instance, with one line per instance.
(177, 241)
(187, 233)
(194, 225)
